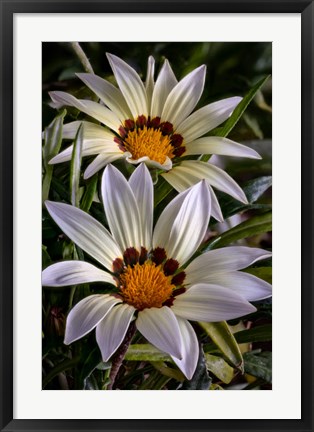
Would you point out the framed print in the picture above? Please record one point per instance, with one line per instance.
(143, 148)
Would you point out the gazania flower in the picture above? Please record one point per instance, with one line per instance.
(151, 122)
(146, 269)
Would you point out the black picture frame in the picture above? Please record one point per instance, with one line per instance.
(11, 7)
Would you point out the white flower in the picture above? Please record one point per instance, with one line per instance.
(146, 268)
(151, 122)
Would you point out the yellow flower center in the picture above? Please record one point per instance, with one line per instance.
(145, 286)
(149, 142)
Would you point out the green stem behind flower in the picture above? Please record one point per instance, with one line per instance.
(120, 354)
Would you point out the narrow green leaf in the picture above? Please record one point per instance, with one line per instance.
(90, 190)
(162, 189)
(75, 171)
(255, 225)
(168, 371)
(146, 352)
(264, 273)
(219, 367)
(46, 260)
(52, 144)
(60, 367)
(89, 363)
(259, 365)
(253, 190)
(223, 338)
(240, 109)
(256, 334)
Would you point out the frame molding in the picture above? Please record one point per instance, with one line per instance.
(7, 10)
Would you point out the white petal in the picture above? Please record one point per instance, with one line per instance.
(211, 303)
(248, 286)
(93, 109)
(92, 131)
(216, 210)
(220, 146)
(184, 96)
(216, 177)
(190, 349)
(160, 327)
(167, 165)
(207, 118)
(142, 187)
(190, 224)
(121, 209)
(102, 160)
(166, 81)
(222, 260)
(130, 85)
(111, 331)
(149, 83)
(86, 314)
(86, 232)
(164, 224)
(73, 273)
(108, 93)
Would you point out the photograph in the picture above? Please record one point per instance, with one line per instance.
(157, 215)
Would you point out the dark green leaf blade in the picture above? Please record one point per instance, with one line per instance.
(75, 171)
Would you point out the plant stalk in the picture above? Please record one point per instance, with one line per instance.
(82, 56)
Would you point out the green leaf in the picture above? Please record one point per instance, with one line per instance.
(162, 189)
(146, 352)
(223, 338)
(253, 190)
(259, 365)
(88, 196)
(46, 260)
(240, 109)
(60, 367)
(200, 380)
(219, 367)
(90, 362)
(75, 170)
(52, 144)
(255, 225)
(262, 333)
(264, 273)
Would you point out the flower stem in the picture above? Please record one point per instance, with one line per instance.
(82, 56)
(120, 354)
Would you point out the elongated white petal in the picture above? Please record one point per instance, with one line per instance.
(194, 171)
(164, 224)
(160, 327)
(207, 118)
(121, 209)
(89, 148)
(222, 260)
(184, 96)
(190, 349)
(142, 187)
(190, 225)
(149, 83)
(86, 314)
(166, 81)
(73, 273)
(92, 131)
(130, 85)
(108, 93)
(102, 160)
(248, 286)
(111, 330)
(220, 146)
(211, 303)
(216, 210)
(86, 232)
(93, 109)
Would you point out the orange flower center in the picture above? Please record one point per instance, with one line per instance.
(145, 286)
(149, 142)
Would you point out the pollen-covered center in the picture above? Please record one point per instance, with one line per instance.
(149, 142)
(145, 285)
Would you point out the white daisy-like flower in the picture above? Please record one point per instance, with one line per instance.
(147, 268)
(151, 122)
